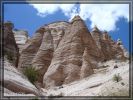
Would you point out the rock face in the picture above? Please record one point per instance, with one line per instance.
(63, 52)
(126, 54)
(108, 48)
(38, 51)
(73, 58)
(10, 47)
(16, 81)
(21, 37)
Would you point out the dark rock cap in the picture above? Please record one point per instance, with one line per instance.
(95, 29)
(76, 18)
(9, 24)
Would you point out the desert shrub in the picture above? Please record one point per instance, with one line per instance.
(122, 83)
(31, 74)
(8, 55)
(115, 66)
(117, 78)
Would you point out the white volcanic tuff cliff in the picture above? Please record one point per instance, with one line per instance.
(38, 50)
(57, 31)
(109, 49)
(97, 36)
(63, 52)
(21, 37)
(68, 59)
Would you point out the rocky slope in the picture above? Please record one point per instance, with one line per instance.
(101, 83)
(16, 82)
(64, 52)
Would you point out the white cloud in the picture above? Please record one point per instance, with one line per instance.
(104, 16)
(45, 9)
(68, 9)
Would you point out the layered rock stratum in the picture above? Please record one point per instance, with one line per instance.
(21, 37)
(63, 52)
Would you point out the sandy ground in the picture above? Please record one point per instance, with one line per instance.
(101, 83)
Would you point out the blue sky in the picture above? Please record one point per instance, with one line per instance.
(113, 18)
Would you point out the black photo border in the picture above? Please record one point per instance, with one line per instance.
(130, 2)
